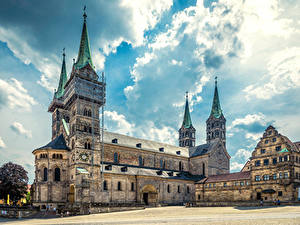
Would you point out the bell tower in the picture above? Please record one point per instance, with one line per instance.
(216, 122)
(187, 131)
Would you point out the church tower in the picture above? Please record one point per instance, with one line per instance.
(187, 131)
(216, 123)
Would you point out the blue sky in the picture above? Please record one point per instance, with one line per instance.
(152, 52)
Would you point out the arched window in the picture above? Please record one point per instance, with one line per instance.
(161, 163)
(188, 189)
(60, 156)
(45, 177)
(53, 156)
(89, 113)
(141, 161)
(178, 189)
(67, 119)
(203, 169)
(180, 166)
(119, 186)
(168, 188)
(85, 113)
(57, 174)
(90, 130)
(85, 128)
(116, 157)
(105, 185)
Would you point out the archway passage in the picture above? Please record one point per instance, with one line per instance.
(149, 195)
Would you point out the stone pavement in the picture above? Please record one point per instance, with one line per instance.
(180, 215)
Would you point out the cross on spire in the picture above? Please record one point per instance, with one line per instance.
(84, 13)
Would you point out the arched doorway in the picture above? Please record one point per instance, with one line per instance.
(71, 193)
(149, 194)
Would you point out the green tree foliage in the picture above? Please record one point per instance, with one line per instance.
(13, 181)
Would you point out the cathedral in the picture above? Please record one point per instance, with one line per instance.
(85, 165)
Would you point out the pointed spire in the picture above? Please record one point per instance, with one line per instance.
(216, 110)
(63, 78)
(187, 122)
(84, 54)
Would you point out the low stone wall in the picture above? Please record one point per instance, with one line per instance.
(17, 212)
(114, 209)
(237, 204)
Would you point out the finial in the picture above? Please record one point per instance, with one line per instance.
(186, 94)
(84, 14)
(64, 52)
(216, 80)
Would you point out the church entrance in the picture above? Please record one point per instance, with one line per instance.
(145, 198)
(71, 193)
(149, 195)
(258, 196)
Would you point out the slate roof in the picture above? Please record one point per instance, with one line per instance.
(58, 143)
(226, 177)
(202, 149)
(148, 145)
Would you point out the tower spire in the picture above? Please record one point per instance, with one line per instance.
(62, 79)
(84, 54)
(187, 122)
(216, 110)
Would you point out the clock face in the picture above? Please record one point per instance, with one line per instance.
(84, 156)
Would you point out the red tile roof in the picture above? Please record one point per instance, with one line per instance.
(226, 177)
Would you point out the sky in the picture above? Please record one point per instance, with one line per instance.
(152, 52)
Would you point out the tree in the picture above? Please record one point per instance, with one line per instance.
(13, 181)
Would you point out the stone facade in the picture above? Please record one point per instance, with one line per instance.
(272, 173)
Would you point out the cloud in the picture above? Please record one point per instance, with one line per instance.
(19, 129)
(39, 40)
(15, 95)
(2, 144)
(239, 159)
(283, 68)
(235, 166)
(118, 123)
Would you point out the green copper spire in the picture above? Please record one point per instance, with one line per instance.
(187, 122)
(84, 54)
(216, 110)
(63, 79)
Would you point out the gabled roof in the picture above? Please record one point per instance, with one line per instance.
(58, 143)
(202, 149)
(227, 177)
(84, 55)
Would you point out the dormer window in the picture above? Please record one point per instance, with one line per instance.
(115, 141)
(124, 169)
(139, 145)
(161, 149)
(178, 152)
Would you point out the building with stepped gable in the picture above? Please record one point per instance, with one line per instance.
(85, 165)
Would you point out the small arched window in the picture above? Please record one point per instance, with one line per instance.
(140, 161)
(85, 112)
(45, 177)
(90, 130)
(89, 113)
(178, 189)
(105, 185)
(57, 174)
(188, 189)
(168, 188)
(119, 186)
(203, 169)
(180, 166)
(53, 156)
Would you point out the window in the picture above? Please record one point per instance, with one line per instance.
(242, 183)
(280, 175)
(278, 148)
(161, 163)
(257, 163)
(138, 145)
(178, 189)
(270, 132)
(225, 185)
(105, 185)
(180, 166)
(280, 158)
(266, 177)
(297, 175)
(274, 160)
(279, 193)
(296, 159)
(87, 145)
(257, 178)
(188, 189)
(236, 183)
(199, 197)
(168, 188)
(262, 151)
(274, 176)
(57, 174)
(247, 182)
(141, 161)
(85, 112)
(274, 139)
(115, 141)
(45, 178)
(214, 185)
(132, 186)
(89, 113)
(116, 157)
(209, 185)
(286, 175)
(203, 169)
(285, 158)
(266, 141)
(119, 186)
(266, 162)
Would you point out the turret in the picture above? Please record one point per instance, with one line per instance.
(187, 131)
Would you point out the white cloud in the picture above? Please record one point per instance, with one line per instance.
(248, 119)
(242, 154)
(16, 95)
(235, 166)
(2, 144)
(20, 130)
(118, 123)
(283, 68)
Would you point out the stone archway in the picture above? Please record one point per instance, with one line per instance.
(71, 193)
(149, 195)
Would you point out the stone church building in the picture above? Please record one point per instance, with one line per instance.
(82, 166)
